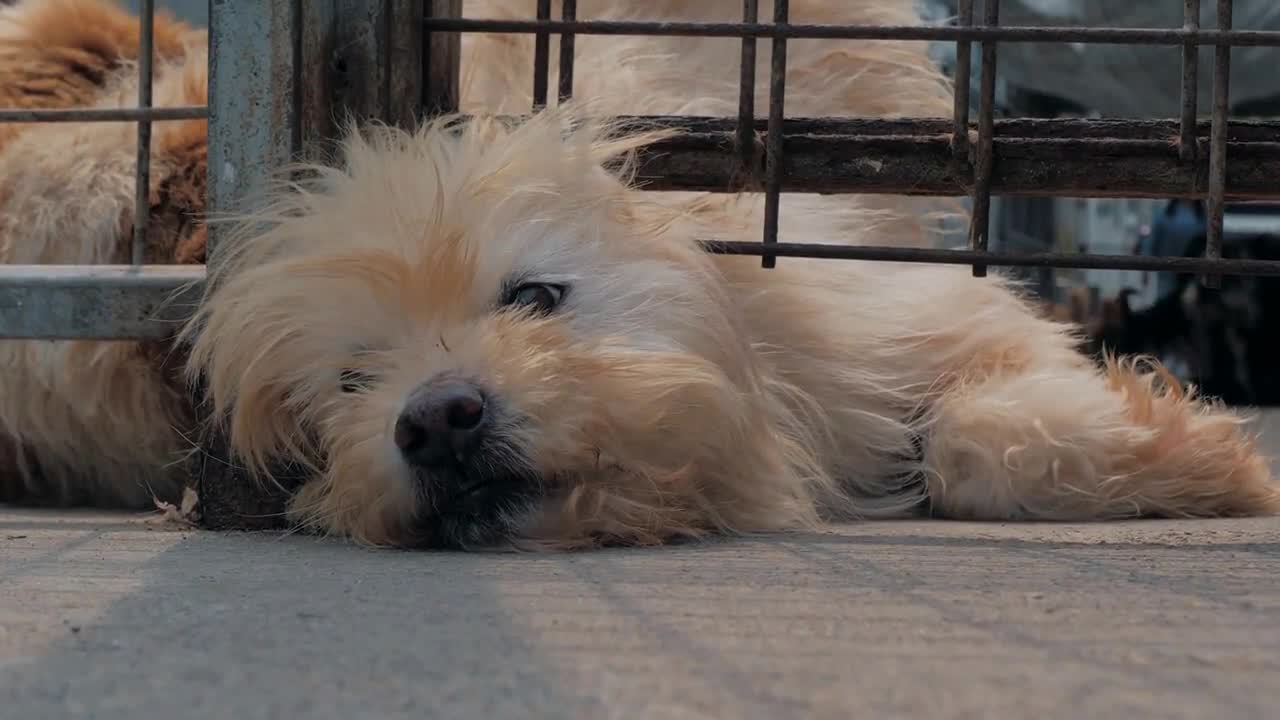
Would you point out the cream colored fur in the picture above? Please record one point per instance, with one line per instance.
(676, 393)
(106, 422)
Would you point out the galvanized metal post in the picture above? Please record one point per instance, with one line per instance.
(254, 129)
(284, 75)
(253, 110)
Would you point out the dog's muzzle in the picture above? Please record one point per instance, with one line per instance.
(470, 493)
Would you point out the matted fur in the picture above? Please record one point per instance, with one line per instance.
(676, 394)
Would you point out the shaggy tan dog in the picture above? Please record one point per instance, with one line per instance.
(474, 334)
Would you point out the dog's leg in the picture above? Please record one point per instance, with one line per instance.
(1078, 444)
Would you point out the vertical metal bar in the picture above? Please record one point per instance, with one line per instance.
(441, 60)
(142, 178)
(745, 138)
(964, 68)
(254, 98)
(541, 58)
(254, 46)
(773, 143)
(980, 223)
(1190, 82)
(569, 12)
(1218, 144)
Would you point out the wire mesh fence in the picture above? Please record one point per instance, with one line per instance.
(1183, 157)
(104, 302)
(975, 154)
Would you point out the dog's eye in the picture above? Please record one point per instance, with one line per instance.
(354, 380)
(538, 297)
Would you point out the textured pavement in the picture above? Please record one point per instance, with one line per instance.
(123, 617)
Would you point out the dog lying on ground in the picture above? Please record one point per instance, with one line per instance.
(94, 422)
(478, 334)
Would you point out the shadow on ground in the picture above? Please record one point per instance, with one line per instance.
(111, 617)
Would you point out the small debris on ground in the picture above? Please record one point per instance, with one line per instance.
(186, 513)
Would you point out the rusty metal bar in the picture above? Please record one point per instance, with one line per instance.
(1068, 157)
(112, 302)
(142, 172)
(76, 115)
(541, 56)
(1190, 82)
(1172, 37)
(980, 222)
(570, 12)
(964, 68)
(773, 142)
(745, 139)
(824, 251)
(1218, 144)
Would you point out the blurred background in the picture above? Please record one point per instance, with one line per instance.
(1222, 339)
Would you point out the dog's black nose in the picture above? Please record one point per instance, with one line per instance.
(441, 423)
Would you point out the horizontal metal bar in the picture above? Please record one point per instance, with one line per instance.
(121, 302)
(1109, 132)
(97, 302)
(1008, 33)
(1076, 158)
(824, 251)
(155, 114)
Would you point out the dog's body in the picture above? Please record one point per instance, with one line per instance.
(93, 422)
(474, 335)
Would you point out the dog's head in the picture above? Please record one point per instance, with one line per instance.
(475, 335)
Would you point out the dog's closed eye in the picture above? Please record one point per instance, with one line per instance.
(539, 298)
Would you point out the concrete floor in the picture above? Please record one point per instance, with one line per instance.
(123, 617)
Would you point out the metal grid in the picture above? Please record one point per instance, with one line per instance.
(1179, 158)
(270, 84)
(104, 301)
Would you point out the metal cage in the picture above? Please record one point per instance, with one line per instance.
(1150, 159)
(278, 69)
(264, 54)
